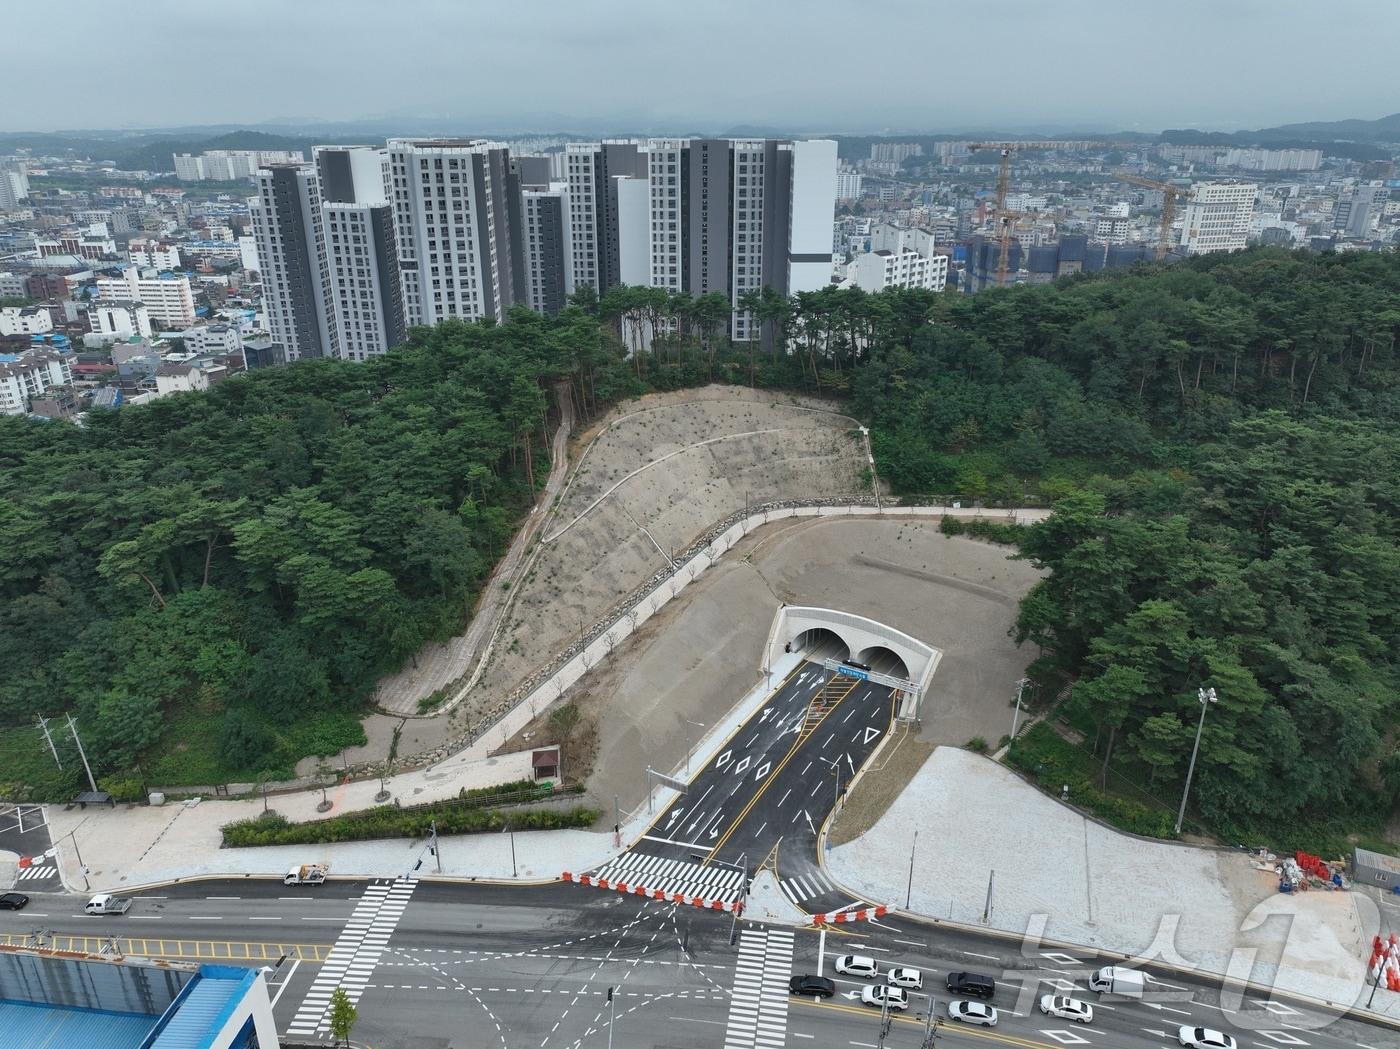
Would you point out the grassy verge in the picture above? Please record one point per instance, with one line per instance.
(466, 814)
(980, 528)
(1054, 763)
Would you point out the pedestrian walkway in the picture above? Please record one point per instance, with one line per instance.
(809, 886)
(355, 954)
(759, 1003)
(41, 869)
(187, 950)
(681, 877)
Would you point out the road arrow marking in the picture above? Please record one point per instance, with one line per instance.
(850, 762)
(809, 821)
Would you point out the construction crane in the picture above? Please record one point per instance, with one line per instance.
(1169, 195)
(1004, 219)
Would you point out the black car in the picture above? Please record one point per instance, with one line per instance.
(818, 985)
(974, 985)
(13, 901)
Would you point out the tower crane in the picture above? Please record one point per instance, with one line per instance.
(1170, 193)
(1004, 218)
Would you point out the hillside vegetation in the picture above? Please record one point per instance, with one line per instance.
(213, 582)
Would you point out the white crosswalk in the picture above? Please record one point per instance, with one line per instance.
(758, 1005)
(351, 961)
(808, 887)
(680, 876)
(37, 872)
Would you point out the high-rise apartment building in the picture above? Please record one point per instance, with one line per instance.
(366, 293)
(167, 297)
(453, 220)
(1217, 217)
(849, 185)
(14, 187)
(590, 169)
(288, 228)
(1357, 210)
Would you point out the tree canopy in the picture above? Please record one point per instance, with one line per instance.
(260, 554)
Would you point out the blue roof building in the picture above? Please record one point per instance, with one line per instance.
(51, 999)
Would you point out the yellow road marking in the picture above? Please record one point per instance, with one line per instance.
(727, 739)
(153, 947)
(946, 1027)
(772, 777)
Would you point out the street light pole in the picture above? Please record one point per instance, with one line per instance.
(1016, 718)
(1206, 696)
(909, 889)
(688, 726)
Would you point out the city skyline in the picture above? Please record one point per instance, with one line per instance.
(1220, 68)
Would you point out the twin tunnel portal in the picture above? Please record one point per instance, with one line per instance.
(762, 800)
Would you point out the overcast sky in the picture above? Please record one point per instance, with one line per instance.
(842, 65)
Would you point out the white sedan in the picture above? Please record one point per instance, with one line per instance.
(1204, 1038)
(967, 1012)
(1067, 1008)
(877, 994)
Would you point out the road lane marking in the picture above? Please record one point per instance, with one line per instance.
(974, 954)
(671, 841)
(784, 797)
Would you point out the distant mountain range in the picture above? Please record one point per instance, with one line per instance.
(152, 149)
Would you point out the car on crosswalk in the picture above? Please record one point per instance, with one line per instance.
(13, 901)
(857, 965)
(968, 1012)
(877, 994)
(905, 977)
(1204, 1038)
(1067, 1008)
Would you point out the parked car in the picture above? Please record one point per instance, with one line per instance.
(857, 965)
(974, 984)
(817, 985)
(911, 978)
(1204, 1038)
(1067, 1008)
(877, 994)
(13, 901)
(979, 1013)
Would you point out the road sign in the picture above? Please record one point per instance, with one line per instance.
(667, 781)
(846, 671)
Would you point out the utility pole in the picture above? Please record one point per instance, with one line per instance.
(44, 728)
(1016, 718)
(987, 908)
(437, 851)
(510, 828)
(1206, 696)
(73, 728)
(930, 1026)
(617, 823)
(884, 1019)
(909, 889)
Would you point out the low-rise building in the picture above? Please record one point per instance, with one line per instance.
(153, 254)
(26, 375)
(212, 338)
(112, 320)
(25, 320)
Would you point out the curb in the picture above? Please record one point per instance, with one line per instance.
(1200, 975)
(735, 907)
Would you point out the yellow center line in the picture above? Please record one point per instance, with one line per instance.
(946, 1027)
(796, 746)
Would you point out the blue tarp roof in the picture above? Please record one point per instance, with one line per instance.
(54, 1027)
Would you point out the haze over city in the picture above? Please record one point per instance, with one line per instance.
(637, 65)
(722, 525)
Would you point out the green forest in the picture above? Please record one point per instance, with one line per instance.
(213, 582)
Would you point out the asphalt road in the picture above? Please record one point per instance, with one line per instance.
(24, 832)
(485, 965)
(764, 796)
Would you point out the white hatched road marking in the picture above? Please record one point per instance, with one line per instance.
(808, 886)
(759, 1002)
(674, 876)
(351, 961)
